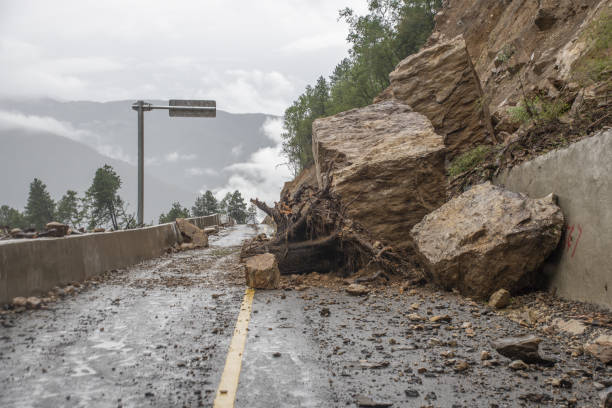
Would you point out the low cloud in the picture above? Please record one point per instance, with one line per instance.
(46, 124)
(198, 171)
(315, 43)
(264, 173)
(237, 150)
(176, 156)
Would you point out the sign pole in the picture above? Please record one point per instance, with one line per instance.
(177, 107)
(140, 163)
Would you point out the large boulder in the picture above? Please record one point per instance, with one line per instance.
(488, 238)
(385, 163)
(191, 233)
(262, 272)
(441, 83)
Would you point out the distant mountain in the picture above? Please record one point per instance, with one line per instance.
(64, 142)
(63, 164)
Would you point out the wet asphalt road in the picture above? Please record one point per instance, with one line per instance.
(151, 335)
(157, 335)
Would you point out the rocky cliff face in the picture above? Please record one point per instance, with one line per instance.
(441, 83)
(521, 46)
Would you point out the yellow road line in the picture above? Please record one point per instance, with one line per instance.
(226, 393)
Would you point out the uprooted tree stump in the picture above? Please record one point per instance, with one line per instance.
(314, 234)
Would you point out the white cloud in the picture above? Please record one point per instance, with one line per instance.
(253, 91)
(236, 150)
(211, 49)
(198, 171)
(174, 157)
(314, 43)
(46, 124)
(264, 174)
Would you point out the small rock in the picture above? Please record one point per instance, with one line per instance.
(363, 401)
(411, 393)
(33, 302)
(518, 365)
(440, 318)
(356, 289)
(485, 355)
(572, 326)
(276, 354)
(19, 301)
(500, 299)
(525, 348)
(415, 317)
(373, 364)
(561, 383)
(601, 348)
(461, 366)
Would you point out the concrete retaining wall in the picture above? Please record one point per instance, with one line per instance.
(581, 176)
(33, 267)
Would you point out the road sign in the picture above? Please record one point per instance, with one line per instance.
(193, 108)
(177, 107)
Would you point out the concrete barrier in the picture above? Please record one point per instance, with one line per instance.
(581, 176)
(207, 221)
(33, 267)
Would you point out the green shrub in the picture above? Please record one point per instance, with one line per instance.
(468, 160)
(537, 110)
(596, 64)
(504, 55)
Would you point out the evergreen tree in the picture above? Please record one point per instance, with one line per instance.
(204, 205)
(11, 218)
(252, 214)
(68, 209)
(103, 204)
(40, 208)
(176, 211)
(236, 207)
(224, 204)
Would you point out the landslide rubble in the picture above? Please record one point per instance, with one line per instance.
(497, 82)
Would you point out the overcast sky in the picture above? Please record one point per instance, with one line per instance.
(251, 56)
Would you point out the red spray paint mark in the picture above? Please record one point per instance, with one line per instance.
(571, 245)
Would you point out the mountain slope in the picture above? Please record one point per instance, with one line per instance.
(65, 164)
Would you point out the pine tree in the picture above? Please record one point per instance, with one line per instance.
(177, 211)
(104, 206)
(252, 214)
(204, 205)
(68, 209)
(236, 207)
(224, 204)
(11, 218)
(40, 208)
